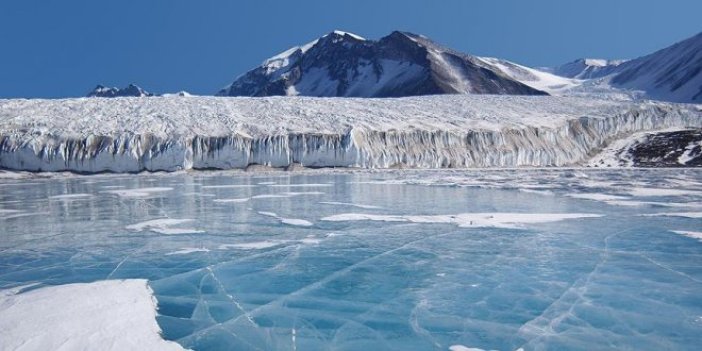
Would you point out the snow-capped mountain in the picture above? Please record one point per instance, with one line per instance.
(131, 90)
(181, 93)
(586, 68)
(670, 74)
(400, 64)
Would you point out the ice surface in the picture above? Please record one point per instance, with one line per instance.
(105, 315)
(624, 277)
(500, 220)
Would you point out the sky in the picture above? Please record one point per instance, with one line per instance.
(64, 48)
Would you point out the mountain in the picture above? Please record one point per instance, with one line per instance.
(534, 78)
(586, 68)
(131, 90)
(670, 74)
(181, 93)
(400, 64)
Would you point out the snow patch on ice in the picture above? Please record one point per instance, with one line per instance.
(645, 192)
(694, 235)
(138, 192)
(367, 207)
(258, 245)
(465, 348)
(597, 197)
(105, 315)
(234, 200)
(288, 221)
(468, 220)
(231, 186)
(675, 214)
(163, 226)
(71, 196)
(187, 250)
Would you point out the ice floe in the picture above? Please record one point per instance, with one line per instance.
(105, 315)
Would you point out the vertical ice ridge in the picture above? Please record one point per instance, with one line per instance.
(529, 146)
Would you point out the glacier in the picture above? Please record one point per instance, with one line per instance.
(91, 135)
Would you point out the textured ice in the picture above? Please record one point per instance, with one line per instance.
(626, 277)
(467, 131)
(677, 214)
(500, 220)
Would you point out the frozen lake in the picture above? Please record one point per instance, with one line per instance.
(395, 260)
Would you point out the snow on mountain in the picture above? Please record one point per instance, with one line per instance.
(586, 68)
(671, 74)
(400, 64)
(667, 148)
(131, 90)
(446, 131)
(544, 81)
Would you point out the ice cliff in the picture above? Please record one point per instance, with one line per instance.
(174, 133)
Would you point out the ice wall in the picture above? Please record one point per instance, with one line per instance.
(568, 141)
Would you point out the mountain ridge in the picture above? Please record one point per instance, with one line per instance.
(399, 64)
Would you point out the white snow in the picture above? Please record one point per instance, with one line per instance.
(307, 185)
(468, 220)
(105, 315)
(536, 79)
(188, 250)
(367, 207)
(234, 200)
(465, 348)
(258, 245)
(230, 186)
(163, 226)
(138, 192)
(597, 197)
(131, 134)
(288, 221)
(70, 196)
(687, 155)
(355, 36)
(675, 214)
(645, 192)
(694, 235)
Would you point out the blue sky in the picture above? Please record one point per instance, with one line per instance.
(57, 48)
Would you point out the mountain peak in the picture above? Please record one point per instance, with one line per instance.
(342, 33)
(400, 64)
(110, 92)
